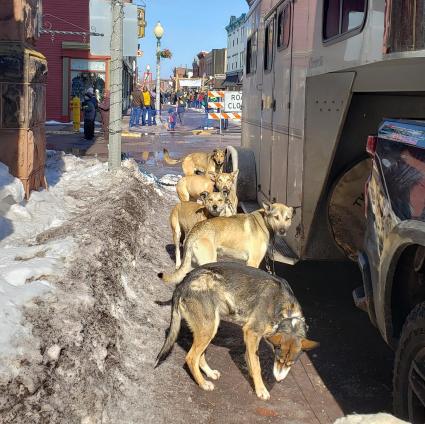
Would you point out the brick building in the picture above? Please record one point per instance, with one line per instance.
(72, 69)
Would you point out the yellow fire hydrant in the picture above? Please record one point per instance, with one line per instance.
(76, 113)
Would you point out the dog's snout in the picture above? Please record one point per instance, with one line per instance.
(215, 207)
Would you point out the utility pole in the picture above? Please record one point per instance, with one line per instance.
(115, 117)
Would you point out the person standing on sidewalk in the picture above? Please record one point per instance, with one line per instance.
(172, 117)
(89, 112)
(180, 109)
(136, 108)
(147, 109)
(207, 110)
(104, 113)
(153, 106)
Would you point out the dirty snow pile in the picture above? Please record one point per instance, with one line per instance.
(80, 324)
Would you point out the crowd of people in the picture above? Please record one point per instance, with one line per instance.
(143, 107)
(143, 110)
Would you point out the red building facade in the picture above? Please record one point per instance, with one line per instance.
(72, 70)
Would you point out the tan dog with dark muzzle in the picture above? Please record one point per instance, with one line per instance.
(185, 215)
(242, 236)
(262, 304)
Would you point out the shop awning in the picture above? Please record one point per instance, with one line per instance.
(233, 79)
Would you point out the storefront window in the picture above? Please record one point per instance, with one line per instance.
(87, 74)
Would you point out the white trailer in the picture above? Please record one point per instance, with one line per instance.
(319, 77)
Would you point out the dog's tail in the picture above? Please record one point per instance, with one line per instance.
(169, 160)
(186, 266)
(173, 330)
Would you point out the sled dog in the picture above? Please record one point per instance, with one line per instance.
(242, 236)
(226, 182)
(186, 214)
(199, 162)
(191, 186)
(263, 305)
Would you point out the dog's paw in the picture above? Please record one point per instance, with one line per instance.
(263, 393)
(208, 386)
(214, 374)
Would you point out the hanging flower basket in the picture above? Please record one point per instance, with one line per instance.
(165, 54)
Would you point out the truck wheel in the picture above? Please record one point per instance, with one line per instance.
(243, 159)
(409, 369)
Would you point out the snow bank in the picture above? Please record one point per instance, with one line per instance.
(380, 418)
(53, 122)
(27, 268)
(83, 350)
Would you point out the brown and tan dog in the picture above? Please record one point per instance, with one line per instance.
(226, 182)
(186, 214)
(199, 162)
(263, 305)
(242, 236)
(190, 187)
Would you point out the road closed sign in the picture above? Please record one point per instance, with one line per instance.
(233, 101)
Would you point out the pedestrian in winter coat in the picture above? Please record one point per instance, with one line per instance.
(146, 107)
(93, 98)
(136, 107)
(153, 106)
(104, 112)
(172, 117)
(89, 112)
(180, 109)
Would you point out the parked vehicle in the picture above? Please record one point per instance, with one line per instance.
(393, 259)
(320, 76)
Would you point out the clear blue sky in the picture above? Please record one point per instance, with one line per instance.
(189, 27)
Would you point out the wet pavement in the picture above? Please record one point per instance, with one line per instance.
(352, 369)
(145, 144)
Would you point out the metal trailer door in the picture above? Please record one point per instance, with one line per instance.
(267, 107)
(281, 102)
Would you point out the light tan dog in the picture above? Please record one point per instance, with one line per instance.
(186, 214)
(226, 182)
(243, 236)
(190, 187)
(199, 162)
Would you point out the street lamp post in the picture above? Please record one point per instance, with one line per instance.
(159, 32)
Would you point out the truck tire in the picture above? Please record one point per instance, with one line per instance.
(409, 369)
(243, 159)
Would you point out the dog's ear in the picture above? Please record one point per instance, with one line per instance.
(307, 344)
(235, 174)
(214, 151)
(204, 195)
(212, 175)
(267, 207)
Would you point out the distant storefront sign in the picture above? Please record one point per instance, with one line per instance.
(190, 82)
(88, 65)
